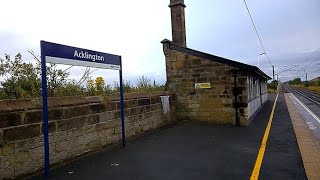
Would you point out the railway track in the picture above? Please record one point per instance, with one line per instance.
(312, 96)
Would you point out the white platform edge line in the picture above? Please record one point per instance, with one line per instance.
(309, 111)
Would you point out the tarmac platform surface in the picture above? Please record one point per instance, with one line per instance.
(190, 150)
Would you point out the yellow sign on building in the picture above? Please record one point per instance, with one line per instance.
(202, 85)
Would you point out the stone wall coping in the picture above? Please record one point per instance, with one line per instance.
(7, 105)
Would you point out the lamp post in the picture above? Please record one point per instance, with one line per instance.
(259, 58)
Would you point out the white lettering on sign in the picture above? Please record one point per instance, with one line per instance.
(202, 85)
(86, 55)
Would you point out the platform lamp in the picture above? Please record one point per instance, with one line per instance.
(259, 58)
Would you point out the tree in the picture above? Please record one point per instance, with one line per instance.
(23, 80)
(99, 82)
(144, 83)
(91, 89)
(295, 81)
(274, 85)
(70, 88)
(56, 78)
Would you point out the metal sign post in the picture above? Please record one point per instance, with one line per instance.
(62, 54)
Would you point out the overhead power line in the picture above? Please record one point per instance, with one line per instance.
(312, 62)
(285, 70)
(316, 71)
(291, 66)
(255, 28)
(309, 58)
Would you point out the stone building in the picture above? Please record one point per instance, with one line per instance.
(210, 88)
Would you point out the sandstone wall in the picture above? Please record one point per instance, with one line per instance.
(215, 104)
(76, 125)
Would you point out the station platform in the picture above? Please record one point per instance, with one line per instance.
(189, 150)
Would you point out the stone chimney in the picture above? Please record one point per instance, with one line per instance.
(178, 22)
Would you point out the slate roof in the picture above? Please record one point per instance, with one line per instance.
(236, 64)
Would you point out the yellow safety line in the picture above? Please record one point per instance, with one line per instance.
(257, 166)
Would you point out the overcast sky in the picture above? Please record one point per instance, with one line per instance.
(289, 29)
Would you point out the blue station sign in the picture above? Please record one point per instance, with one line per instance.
(62, 54)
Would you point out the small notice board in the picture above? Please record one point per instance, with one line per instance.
(202, 85)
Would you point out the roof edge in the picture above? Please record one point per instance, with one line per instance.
(215, 58)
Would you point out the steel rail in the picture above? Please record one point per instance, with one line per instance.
(304, 95)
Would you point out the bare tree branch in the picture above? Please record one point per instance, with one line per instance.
(83, 76)
(68, 68)
(86, 74)
(37, 58)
